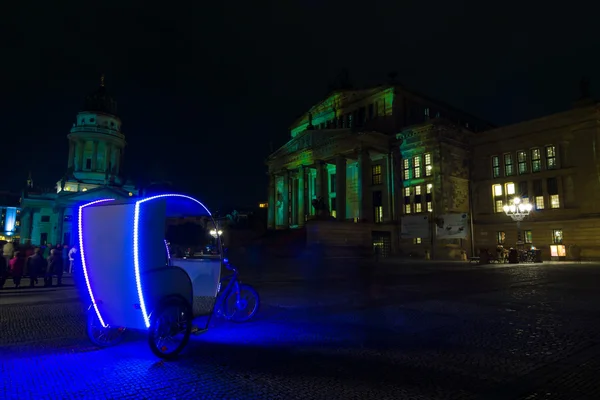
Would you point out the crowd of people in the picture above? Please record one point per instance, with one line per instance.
(39, 264)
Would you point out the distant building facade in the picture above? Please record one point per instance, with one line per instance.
(10, 216)
(372, 156)
(552, 163)
(94, 171)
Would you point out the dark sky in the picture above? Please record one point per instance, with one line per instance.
(203, 88)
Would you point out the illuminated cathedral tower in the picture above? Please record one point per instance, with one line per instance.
(96, 146)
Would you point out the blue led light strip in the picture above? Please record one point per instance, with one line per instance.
(84, 262)
(168, 252)
(136, 246)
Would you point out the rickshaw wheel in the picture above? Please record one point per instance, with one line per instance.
(244, 309)
(99, 335)
(170, 328)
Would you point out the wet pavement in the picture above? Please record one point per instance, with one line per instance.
(418, 331)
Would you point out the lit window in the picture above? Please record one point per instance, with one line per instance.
(536, 160)
(379, 214)
(510, 188)
(539, 202)
(429, 188)
(406, 192)
(417, 166)
(497, 190)
(429, 206)
(557, 236)
(418, 207)
(376, 178)
(500, 237)
(18, 223)
(528, 237)
(428, 166)
(407, 209)
(554, 201)
(508, 165)
(417, 241)
(495, 166)
(499, 206)
(550, 157)
(522, 161)
(417, 190)
(406, 169)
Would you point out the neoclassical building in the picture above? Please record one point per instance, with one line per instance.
(94, 171)
(373, 156)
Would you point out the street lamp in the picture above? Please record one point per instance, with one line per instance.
(215, 233)
(517, 211)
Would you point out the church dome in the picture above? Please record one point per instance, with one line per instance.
(101, 101)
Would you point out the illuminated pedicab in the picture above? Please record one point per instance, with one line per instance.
(136, 281)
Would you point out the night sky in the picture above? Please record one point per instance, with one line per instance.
(204, 89)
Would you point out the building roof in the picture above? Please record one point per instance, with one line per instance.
(100, 100)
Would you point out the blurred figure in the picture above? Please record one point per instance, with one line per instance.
(3, 272)
(36, 265)
(17, 265)
(8, 251)
(65, 258)
(72, 258)
(55, 267)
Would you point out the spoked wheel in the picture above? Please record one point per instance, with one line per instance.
(102, 336)
(170, 328)
(241, 306)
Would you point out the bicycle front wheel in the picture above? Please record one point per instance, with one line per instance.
(242, 305)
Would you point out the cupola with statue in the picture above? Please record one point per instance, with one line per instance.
(96, 145)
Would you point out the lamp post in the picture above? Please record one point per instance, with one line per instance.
(517, 211)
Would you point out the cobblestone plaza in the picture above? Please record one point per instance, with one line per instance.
(420, 331)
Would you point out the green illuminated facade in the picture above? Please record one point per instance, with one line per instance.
(351, 150)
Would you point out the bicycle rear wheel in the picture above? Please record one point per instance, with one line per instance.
(241, 306)
(99, 335)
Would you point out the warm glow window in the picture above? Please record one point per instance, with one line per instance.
(550, 157)
(418, 208)
(417, 241)
(406, 192)
(539, 202)
(429, 206)
(417, 166)
(557, 236)
(500, 237)
(495, 166)
(536, 160)
(497, 190)
(429, 188)
(508, 165)
(510, 188)
(528, 237)
(552, 187)
(499, 205)
(428, 165)
(378, 214)
(376, 177)
(522, 162)
(407, 209)
(417, 190)
(554, 201)
(406, 173)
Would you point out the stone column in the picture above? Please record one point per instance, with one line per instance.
(80, 148)
(95, 156)
(117, 161)
(364, 185)
(271, 198)
(340, 188)
(396, 183)
(71, 153)
(108, 163)
(301, 195)
(321, 189)
(286, 199)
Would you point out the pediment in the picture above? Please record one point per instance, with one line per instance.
(91, 195)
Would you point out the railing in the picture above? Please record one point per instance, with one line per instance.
(97, 130)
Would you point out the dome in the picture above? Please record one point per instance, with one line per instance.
(101, 101)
